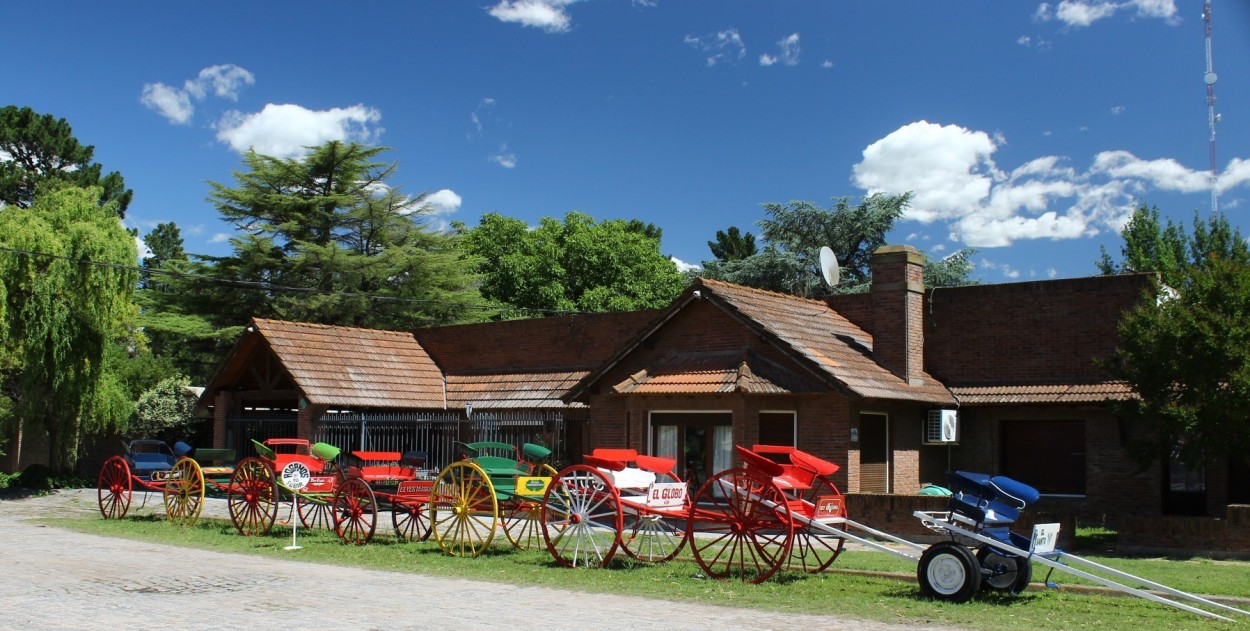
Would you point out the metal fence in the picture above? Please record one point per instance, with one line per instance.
(240, 432)
(434, 433)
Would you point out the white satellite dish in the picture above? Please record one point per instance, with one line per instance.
(829, 266)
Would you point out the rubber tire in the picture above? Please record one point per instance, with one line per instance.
(1013, 581)
(948, 571)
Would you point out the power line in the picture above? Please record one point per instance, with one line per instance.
(148, 271)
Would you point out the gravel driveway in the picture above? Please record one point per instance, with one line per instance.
(56, 579)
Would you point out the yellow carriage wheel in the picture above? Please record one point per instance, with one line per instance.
(464, 512)
(184, 492)
(522, 522)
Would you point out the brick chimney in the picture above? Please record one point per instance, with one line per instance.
(898, 311)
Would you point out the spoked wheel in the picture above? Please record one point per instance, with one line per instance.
(463, 509)
(184, 492)
(581, 518)
(948, 571)
(355, 511)
(652, 537)
(316, 513)
(522, 522)
(815, 546)
(741, 527)
(411, 521)
(253, 497)
(113, 488)
(1009, 574)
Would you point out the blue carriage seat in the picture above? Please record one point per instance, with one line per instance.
(989, 500)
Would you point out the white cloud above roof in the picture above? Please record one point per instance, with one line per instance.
(286, 130)
(952, 174)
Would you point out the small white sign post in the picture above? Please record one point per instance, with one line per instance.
(295, 476)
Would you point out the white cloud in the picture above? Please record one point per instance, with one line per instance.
(1117, 110)
(219, 237)
(826, 64)
(549, 15)
(172, 103)
(504, 158)
(444, 201)
(683, 266)
(1082, 13)
(144, 250)
(790, 49)
(789, 54)
(952, 174)
(285, 130)
(223, 81)
(721, 46)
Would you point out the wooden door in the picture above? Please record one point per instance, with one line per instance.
(874, 453)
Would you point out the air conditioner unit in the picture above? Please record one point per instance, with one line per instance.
(941, 427)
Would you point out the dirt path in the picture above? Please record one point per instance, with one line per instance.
(56, 579)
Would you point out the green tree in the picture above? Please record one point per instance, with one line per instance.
(1152, 246)
(61, 311)
(795, 232)
(573, 265)
(42, 151)
(732, 245)
(1188, 359)
(164, 245)
(325, 238)
(166, 410)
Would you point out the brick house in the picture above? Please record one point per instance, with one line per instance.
(865, 380)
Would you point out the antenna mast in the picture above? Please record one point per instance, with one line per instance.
(1212, 118)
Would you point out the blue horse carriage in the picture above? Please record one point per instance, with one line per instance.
(982, 552)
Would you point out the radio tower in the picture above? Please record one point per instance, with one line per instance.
(1212, 118)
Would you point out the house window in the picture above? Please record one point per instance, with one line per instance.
(1047, 455)
(700, 441)
(777, 428)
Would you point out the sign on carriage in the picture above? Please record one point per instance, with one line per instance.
(1045, 536)
(667, 494)
(295, 475)
(828, 507)
(531, 486)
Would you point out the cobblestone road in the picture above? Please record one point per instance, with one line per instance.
(56, 579)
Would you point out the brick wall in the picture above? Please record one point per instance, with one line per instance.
(1228, 537)
(1036, 332)
(1115, 485)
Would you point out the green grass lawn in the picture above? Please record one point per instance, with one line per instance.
(887, 598)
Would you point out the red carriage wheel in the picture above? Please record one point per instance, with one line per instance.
(355, 512)
(315, 513)
(652, 537)
(741, 527)
(411, 520)
(815, 544)
(113, 488)
(581, 518)
(253, 497)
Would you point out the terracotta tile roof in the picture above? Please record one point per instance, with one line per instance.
(517, 390)
(345, 366)
(814, 332)
(1053, 393)
(714, 373)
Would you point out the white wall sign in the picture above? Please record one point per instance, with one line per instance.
(295, 475)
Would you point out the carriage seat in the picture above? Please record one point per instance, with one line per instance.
(379, 466)
(628, 469)
(989, 500)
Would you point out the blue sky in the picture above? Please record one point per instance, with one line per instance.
(1027, 130)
